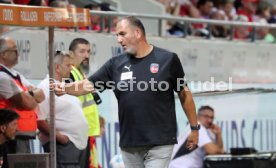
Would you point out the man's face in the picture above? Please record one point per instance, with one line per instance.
(11, 54)
(10, 130)
(127, 37)
(250, 6)
(207, 8)
(64, 69)
(206, 118)
(82, 54)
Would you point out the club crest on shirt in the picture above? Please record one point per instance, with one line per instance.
(154, 68)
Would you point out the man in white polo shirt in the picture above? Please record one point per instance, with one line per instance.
(209, 142)
(71, 125)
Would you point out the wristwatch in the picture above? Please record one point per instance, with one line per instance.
(31, 93)
(195, 127)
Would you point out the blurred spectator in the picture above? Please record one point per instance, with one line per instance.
(171, 6)
(248, 9)
(177, 29)
(188, 8)
(106, 7)
(226, 7)
(6, 1)
(95, 19)
(205, 8)
(37, 3)
(218, 30)
(241, 32)
(50, 1)
(272, 19)
(110, 21)
(237, 4)
(263, 11)
(263, 34)
(58, 4)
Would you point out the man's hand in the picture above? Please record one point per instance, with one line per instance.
(62, 139)
(192, 140)
(58, 88)
(215, 129)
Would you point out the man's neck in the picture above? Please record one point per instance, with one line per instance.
(57, 78)
(6, 66)
(144, 50)
(2, 139)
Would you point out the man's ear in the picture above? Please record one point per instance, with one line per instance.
(56, 67)
(71, 53)
(3, 128)
(138, 33)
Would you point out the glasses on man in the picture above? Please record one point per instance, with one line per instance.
(12, 50)
(208, 116)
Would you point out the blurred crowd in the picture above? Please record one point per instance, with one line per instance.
(259, 11)
(93, 5)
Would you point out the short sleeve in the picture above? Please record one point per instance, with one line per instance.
(203, 137)
(177, 74)
(25, 82)
(101, 77)
(43, 110)
(8, 87)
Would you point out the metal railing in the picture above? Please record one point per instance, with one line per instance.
(185, 20)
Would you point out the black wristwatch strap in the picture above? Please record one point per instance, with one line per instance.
(31, 93)
(195, 127)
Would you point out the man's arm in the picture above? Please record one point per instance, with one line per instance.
(217, 147)
(38, 95)
(43, 126)
(75, 88)
(188, 105)
(23, 101)
(212, 149)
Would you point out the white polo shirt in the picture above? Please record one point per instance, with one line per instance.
(8, 87)
(195, 158)
(70, 120)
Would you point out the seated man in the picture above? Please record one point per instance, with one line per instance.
(71, 125)
(8, 128)
(209, 142)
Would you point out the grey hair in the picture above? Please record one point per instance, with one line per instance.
(3, 44)
(59, 57)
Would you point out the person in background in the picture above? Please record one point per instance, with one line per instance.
(80, 50)
(241, 32)
(18, 94)
(263, 33)
(210, 142)
(71, 125)
(248, 9)
(95, 19)
(8, 128)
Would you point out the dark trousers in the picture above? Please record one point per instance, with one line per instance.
(18, 146)
(85, 155)
(68, 156)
